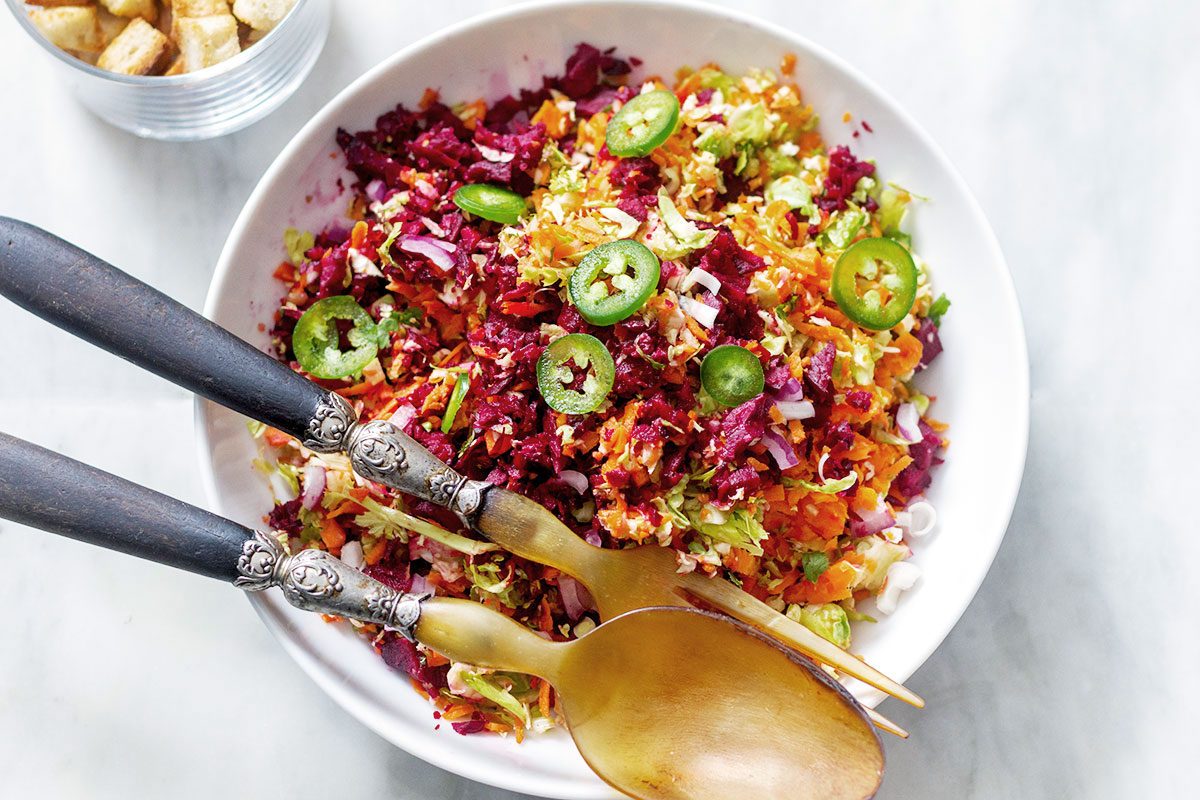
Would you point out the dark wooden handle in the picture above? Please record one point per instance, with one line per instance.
(94, 300)
(46, 490)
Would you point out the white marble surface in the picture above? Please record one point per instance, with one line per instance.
(1068, 677)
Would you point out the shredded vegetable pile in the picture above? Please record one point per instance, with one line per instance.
(667, 312)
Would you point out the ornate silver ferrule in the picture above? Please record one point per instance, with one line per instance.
(331, 425)
(381, 452)
(314, 580)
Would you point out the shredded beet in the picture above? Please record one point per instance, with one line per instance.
(931, 343)
(818, 375)
(845, 171)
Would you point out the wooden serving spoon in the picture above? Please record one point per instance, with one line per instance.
(83, 294)
(663, 703)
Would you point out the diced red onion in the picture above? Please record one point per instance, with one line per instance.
(702, 277)
(376, 190)
(803, 409)
(575, 479)
(314, 486)
(433, 249)
(908, 423)
(901, 577)
(918, 519)
(673, 273)
(436, 230)
(704, 314)
(403, 415)
(791, 391)
(871, 522)
(420, 585)
(593, 538)
(575, 596)
(352, 554)
(780, 449)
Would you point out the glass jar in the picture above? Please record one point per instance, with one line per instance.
(210, 102)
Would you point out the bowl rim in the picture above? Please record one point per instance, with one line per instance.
(1006, 486)
(186, 79)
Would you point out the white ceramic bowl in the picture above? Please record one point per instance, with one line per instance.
(981, 381)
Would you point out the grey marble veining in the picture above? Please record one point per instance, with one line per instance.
(1068, 677)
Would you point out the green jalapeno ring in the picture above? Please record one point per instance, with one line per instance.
(732, 375)
(881, 261)
(606, 268)
(490, 202)
(554, 372)
(315, 339)
(642, 124)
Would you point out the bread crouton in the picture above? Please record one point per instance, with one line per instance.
(176, 67)
(194, 8)
(205, 41)
(70, 27)
(140, 50)
(57, 3)
(110, 26)
(146, 9)
(262, 15)
(199, 8)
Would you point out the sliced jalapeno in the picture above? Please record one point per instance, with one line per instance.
(462, 385)
(642, 124)
(316, 339)
(732, 375)
(562, 389)
(886, 272)
(490, 202)
(613, 281)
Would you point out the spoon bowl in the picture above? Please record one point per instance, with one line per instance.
(679, 704)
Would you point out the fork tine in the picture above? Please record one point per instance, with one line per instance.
(758, 614)
(885, 724)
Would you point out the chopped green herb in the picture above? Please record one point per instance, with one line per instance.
(815, 565)
(938, 310)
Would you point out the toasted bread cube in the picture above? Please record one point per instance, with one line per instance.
(262, 15)
(199, 8)
(70, 27)
(195, 8)
(204, 41)
(146, 9)
(140, 50)
(163, 23)
(110, 26)
(176, 67)
(57, 3)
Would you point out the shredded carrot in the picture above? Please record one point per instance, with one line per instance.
(428, 98)
(553, 118)
(374, 551)
(357, 389)
(435, 659)
(276, 438)
(333, 535)
(458, 711)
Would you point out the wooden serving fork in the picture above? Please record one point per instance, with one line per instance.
(92, 299)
